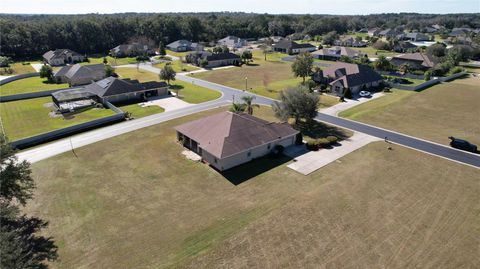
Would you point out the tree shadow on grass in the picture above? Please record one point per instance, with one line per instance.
(317, 129)
(246, 171)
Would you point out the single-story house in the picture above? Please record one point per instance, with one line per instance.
(460, 31)
(79, 74)
(227, 139)
(341, 76)
(373, 32)
(404, 46)
(213, 59)
(349, 42)
(62, 57)
(113, 90)
(184, 45)
(429, 30)
(232, 42)
(416, 37)
(389, 33)
(334, 53)
(129, 50)
(292, 47)
(416, 60)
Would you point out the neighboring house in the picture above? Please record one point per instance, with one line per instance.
(110, 89)
(429, 30)
(349, 42)
(79, 74)
(334, 53)
(389, 33)
(416, 60)
(373, 32)
(130, 50)
(227, 139)
(416, 37)
(232, 42)
(184, 45)
(213, 59)
(341, 76)
(62, 57)
(404, 46)
(461, 31)
(292, 47)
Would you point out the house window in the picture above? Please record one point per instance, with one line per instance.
(215, 160)
(268, 147)
(249, 154)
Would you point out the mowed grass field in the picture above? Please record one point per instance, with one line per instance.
(178, 66)
(26, 85)
(30, 117)
(139, 203)
(188, 92)
(97, 59)
(447, 109)
(267, 78)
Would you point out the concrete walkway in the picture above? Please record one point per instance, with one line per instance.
(306, 162)
(349, 103)
(168, 103)
(37, 67)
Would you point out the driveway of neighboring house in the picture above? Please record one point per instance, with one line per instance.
(349, 103)
(306, 162)
(168, 103)
(37, 67)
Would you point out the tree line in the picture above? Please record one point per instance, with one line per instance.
(29, 36)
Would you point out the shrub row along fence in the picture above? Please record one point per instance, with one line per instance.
(60, 133)
(426, 84)
(397, 74)
(17, 77)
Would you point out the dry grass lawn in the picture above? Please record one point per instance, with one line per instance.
(138, 203)
(448, 109)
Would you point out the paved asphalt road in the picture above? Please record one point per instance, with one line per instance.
(229, 94)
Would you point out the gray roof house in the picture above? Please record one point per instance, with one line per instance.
(62, 57)
(232, 42)
(292, 47)
(349, 41)
(227, 139)
(341, 76)
(184, 45)
(79, 74)
(415, 60)
(133, 49)
(373, 32)
(334, 53)
(213, 59)
(389, 33)
(404, 46)
(416, 37)
(110, 89)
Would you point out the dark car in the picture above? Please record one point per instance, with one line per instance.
(462, 144)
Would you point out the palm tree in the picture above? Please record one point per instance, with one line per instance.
(237, 107)
(248, 101)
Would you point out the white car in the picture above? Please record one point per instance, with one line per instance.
(364, 94)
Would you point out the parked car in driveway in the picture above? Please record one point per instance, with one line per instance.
(462, 144)
(364, 94)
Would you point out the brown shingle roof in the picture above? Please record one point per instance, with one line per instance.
(351, 74)
(227, 133)
(419, 57)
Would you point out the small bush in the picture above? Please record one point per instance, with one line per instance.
(455, 70)
(323, 142)
(312, 144)
(332, 139)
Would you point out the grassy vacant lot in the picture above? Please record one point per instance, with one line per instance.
(177, 54)
(137, 111)
(178, 66)
(26, 118)
(33, 84)
(140, 204)
(19, 68)
(189, 93)
(448, 109)
(371, 52)
(97, 59)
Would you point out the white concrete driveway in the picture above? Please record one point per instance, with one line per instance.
(349, 103)
(37, 67)
(168, 103)
(306, 162)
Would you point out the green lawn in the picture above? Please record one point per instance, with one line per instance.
(137, 111)
(447, 109)
(371, 52)
(26, 85)
(177, 54)
(134, 201)
(19, 68)
(178, 66)
(189, 92)
(413, 82)
(111, 61)
(26, 118)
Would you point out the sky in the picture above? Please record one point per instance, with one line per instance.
(343, 7)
